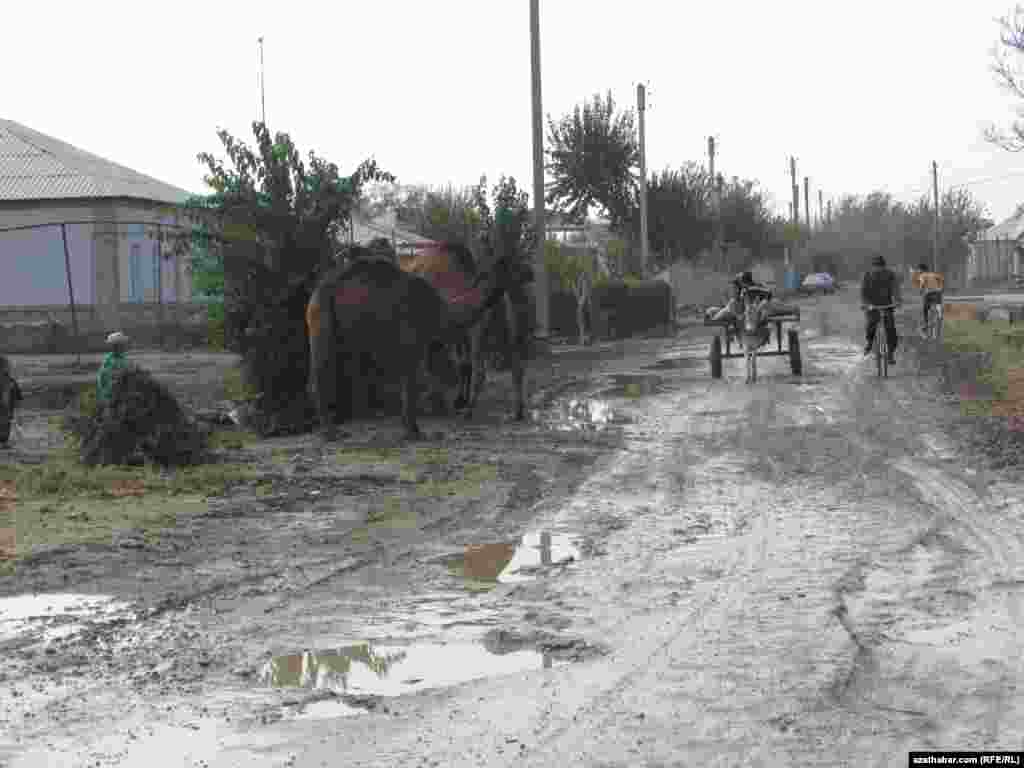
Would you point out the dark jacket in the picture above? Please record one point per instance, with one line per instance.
(879, 287)
(8, 383)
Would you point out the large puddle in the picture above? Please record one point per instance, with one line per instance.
(510, 562)
(395, 670)
(56, 615)
(598, 411)
(581, 415)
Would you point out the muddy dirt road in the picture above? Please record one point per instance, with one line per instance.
(662, 570)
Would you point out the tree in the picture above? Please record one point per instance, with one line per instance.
(901, 232)
(270, 195)
(592, 153)
(1010, 77)
(296, 212)
(681, 219)
(442, 214)
(679, 216)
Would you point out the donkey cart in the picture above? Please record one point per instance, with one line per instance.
(734, 331)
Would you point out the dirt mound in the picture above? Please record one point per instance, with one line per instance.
(142, 421)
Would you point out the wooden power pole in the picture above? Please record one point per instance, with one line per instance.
(640, 103)
(540, 268)
(935, 222)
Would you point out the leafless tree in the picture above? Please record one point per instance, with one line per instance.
(1010, 76)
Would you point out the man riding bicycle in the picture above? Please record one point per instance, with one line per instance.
(880, 287)
(931, 285)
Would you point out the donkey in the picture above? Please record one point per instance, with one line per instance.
(752, 335)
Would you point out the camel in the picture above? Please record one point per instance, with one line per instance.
(376, 308)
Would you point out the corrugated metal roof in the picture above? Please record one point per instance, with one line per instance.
(34, 166)
(1011, 229)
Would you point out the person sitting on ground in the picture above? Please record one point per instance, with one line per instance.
(880, 287)
(114, 360)
(931, 285)
(10, 396)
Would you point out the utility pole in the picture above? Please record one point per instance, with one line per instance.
(821, 210)
(719, 183)
(935, 223)
(796, 191)
(540, 268)
(807, 202)
(263, 100)
(640, 103)
(715, 202)
(828, 215)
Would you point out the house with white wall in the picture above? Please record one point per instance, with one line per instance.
(73, 224)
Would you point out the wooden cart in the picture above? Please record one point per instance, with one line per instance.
(792, 338)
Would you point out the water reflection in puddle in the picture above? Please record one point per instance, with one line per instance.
(511, 562)
(22, 613)
(581, 415)
(395, 670)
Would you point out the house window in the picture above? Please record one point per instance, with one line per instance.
(135, 273)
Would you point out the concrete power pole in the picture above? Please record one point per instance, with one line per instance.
(715, 202)
(263, 99)
(640, 103)
(935, 223)
(540, 271)
(796, 191)
(807, 202)
(821, 210)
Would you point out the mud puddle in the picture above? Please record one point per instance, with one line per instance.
(55, 615)
(601, 408)
(513, 562)
(581, 415)
(396, 670)
(629, 386)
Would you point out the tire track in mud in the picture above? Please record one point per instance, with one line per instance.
(850, 665)
(747, 551)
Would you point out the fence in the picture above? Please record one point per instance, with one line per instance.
(48, 329)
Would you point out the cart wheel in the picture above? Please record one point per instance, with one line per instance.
(716, 357)
(795, 362)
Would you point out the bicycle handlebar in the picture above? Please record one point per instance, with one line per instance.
(879, 306)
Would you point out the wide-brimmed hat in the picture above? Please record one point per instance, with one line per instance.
(117, 337)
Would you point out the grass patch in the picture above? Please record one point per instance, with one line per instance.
(236, 389)
(94, 521)
(632, 390)
(63, 502)
(392, 513)
(368, 455)
(469, 483)
(230, 439)
(975, 336)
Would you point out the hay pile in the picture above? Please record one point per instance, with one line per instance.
(143, 421)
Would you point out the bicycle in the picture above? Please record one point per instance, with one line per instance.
(881, 342)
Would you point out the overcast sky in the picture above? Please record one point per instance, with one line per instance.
(865, 95)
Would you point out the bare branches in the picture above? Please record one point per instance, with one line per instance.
(1009, 76)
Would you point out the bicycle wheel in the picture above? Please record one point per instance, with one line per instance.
(879, 351)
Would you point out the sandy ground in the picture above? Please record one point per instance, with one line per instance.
(659, 569)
